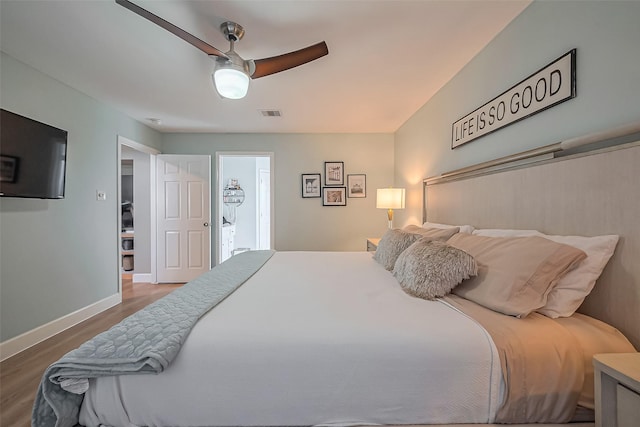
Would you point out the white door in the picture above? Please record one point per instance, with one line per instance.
(183, 217)
(264, 209)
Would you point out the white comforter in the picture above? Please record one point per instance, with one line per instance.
(315, 338)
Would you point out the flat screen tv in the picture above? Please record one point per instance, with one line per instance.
(33, 158)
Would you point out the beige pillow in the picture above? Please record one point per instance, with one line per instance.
(430, 269)
(515, 274)
(463, 228)
(391, 245)
(434, 233)
(571, 290)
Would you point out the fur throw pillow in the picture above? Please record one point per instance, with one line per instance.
(391, 245)
(431, 269)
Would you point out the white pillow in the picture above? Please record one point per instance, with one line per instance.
(571, 290)
(463, 228)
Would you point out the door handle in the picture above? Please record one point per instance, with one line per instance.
(206, 224)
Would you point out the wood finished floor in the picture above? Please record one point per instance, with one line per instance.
(21, 374)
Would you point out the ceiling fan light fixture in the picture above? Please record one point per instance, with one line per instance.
(232, 73)
(231, 83)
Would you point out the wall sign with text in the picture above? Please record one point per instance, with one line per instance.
(544, 89)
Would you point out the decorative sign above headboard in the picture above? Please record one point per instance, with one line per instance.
(544, 89)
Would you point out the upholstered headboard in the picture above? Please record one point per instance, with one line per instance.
(590, 193)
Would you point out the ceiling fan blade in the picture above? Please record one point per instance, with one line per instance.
(189, 38)
(275, 64)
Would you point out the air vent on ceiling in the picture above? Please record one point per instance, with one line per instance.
(271, 113)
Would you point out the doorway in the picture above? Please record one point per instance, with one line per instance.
(136, 205)
(244, 202)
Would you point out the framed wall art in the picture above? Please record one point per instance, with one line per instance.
(334, 196)
(357, 185)
(333, 173)
(311, 185)
(552, 85)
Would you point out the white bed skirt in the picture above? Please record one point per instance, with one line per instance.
(315, 338)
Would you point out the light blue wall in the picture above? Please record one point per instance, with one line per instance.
(607, 37)
(58, 256)
(304, 224)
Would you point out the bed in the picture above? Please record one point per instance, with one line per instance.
(323, 338)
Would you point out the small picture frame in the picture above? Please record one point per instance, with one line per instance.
(8, 168)
(311, 184)
(357, 185)
(334, 196)
(334, 173)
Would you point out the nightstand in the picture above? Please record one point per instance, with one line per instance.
(617, 389)
(372, 244)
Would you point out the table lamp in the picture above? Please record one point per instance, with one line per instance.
(390, 198)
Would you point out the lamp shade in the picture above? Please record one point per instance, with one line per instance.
(390, 198)
(231, 83)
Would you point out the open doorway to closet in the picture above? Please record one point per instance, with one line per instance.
(136, 220)
(244, 203)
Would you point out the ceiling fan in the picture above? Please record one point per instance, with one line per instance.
(232, 72)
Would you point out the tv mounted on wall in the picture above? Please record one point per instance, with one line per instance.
(33, 158)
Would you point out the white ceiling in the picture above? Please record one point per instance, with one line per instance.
(386, 57)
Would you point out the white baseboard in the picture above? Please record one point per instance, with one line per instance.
(30, 338)
(141, 278)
